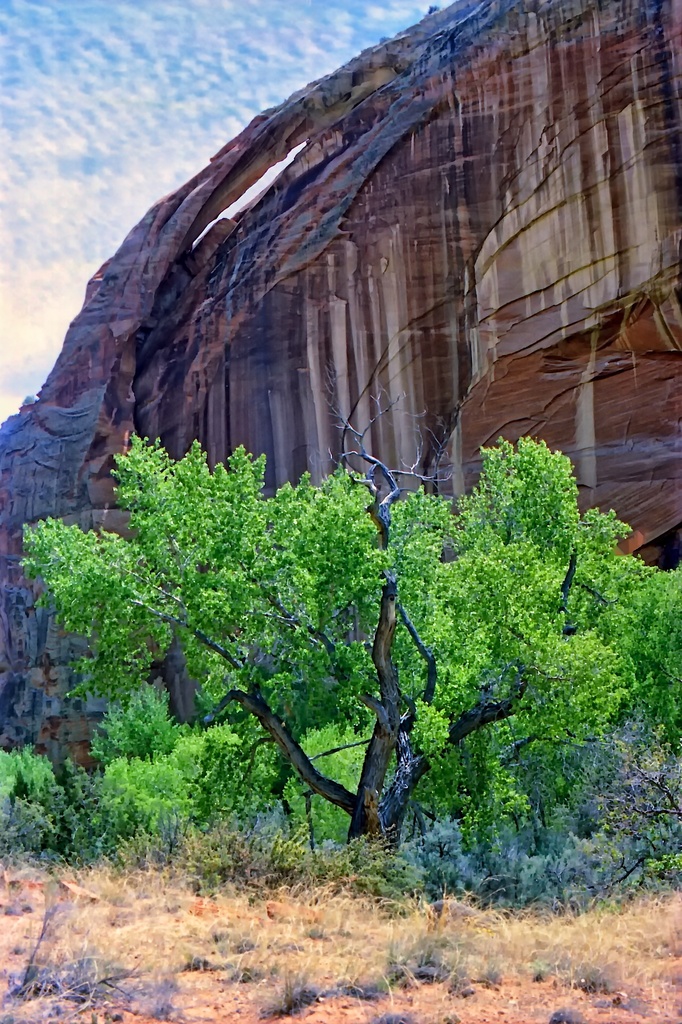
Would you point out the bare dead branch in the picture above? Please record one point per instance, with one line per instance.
(412, 472)
(426, 653)
(337, 750)
(376, 475)
(360, 435)
(380, 509)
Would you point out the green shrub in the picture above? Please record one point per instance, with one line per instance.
(83, 835)
(139, 796)
(31, 803)
(141, 728)
(25, 775)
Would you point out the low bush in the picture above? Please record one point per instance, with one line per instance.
(269, 853)
(41, 814)
(142, 728)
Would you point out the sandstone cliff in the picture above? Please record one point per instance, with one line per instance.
(486, 215)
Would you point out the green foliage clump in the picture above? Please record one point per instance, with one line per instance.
(158, 774)
(143, 796)
(142, 728)
(25, 775)
(158, 780)
(211, 556)
(29, 802)
(236, 773)
(48, 814)
(646, 625)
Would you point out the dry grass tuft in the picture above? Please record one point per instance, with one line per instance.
(294, 996)
(156, 999)
(425, 959)
(365, 992)
(81, 980)
(202, 963)
(595, 978)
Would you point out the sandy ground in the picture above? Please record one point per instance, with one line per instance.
(142, 949)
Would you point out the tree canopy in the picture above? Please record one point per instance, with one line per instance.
(439, 643)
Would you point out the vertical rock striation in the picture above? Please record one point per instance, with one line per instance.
(484, 216)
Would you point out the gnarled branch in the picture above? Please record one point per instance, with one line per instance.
(488, 711)
(411, 768)
(380, 509)
(293, 752)
(375, 705)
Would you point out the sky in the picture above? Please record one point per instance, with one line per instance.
(107, 105)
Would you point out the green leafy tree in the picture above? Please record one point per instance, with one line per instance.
(424, 634)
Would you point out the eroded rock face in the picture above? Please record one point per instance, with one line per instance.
(486, 217)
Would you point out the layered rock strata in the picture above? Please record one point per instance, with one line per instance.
(484, 215)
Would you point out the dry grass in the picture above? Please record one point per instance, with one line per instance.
(280, 954)
(601, 950)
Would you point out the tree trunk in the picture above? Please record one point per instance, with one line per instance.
(366, 819)
(410, 769)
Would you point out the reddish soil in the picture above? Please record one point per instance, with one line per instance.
(513, 1002)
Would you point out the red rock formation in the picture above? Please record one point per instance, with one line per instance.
(486, 217)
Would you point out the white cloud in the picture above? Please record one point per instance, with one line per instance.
(108, 106)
